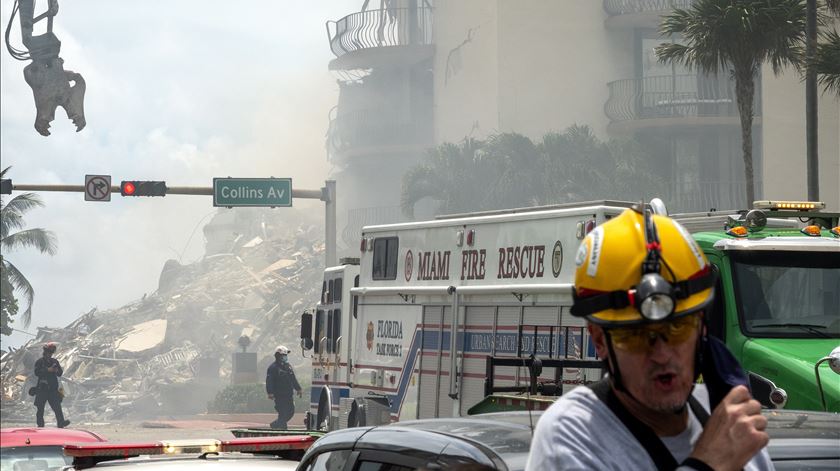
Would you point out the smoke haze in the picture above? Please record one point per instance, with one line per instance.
(177, 91)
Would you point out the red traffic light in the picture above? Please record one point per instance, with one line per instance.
(127, 189)
(142, 188)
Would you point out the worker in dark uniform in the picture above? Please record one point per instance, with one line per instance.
(280, 382)
(47, 369)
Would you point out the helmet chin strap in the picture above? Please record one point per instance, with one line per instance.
(615, 371)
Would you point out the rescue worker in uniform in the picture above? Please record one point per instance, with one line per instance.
(280, 382)
(644, 285)
(47, 369)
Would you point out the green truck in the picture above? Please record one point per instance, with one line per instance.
(778, 302)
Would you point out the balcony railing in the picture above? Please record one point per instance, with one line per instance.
(380, 28)
(627, 7)
(374, 127)
(672, 96)
(705, 195)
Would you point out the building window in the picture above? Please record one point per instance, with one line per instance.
(385, 251)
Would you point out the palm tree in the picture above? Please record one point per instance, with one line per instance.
(11, 218)
(579, 167)
(737, 35)
(827, 58)
(509, 170)
(447, 174)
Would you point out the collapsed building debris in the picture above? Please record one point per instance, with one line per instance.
(171, 351)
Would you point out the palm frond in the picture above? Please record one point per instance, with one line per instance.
(23, 203)
(11, 212)
(827, 62)
(833, 6)
(41, 239)
(10, 221)
(22, 285)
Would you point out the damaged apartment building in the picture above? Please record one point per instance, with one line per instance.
(172, 350)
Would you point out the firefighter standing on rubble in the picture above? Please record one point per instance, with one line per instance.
(644, 285)
(280, 382)
(47, 369)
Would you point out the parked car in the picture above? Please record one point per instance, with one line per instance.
(804, 439)
(276, 452)
(799, 440)
(33, 448)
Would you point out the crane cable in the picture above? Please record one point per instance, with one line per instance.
(16, 53)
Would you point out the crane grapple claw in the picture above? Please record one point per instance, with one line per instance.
(52, 86)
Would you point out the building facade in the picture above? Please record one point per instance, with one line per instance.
(443, 71)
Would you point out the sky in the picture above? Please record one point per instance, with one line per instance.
(177, 91)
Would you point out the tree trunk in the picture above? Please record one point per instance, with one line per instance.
(745, 95)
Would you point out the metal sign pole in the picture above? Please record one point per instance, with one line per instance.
(328, 196)
(325, 194)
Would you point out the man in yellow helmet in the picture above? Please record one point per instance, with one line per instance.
(643, 285)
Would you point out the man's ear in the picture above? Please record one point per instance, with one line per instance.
(596, 335)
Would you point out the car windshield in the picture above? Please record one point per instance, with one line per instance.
(33, 458)
(788, 294)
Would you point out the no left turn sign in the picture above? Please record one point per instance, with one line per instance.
(97, 188)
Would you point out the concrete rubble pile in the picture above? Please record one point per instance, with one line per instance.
(171, 351)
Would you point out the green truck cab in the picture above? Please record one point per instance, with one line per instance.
(778, 298)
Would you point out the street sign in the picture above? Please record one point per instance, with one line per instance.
(97, 188)
(270, 192)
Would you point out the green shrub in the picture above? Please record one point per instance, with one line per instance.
(241, 398)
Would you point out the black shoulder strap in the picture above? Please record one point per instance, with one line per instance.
(698, 409)
(662, 458)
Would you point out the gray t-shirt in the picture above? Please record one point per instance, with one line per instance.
(579, 431)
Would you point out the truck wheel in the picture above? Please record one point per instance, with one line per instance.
(357, 416)
(323, 418)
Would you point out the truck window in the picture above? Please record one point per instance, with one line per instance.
(787, 294)
(324, 292)
(330, 292)
(330, 337)
(356, 298)
(385, 251)
(336, 329)
(337, 287)
(319, 328)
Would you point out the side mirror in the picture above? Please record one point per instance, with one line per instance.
(833, 360)
(306, 331)
(766, 392)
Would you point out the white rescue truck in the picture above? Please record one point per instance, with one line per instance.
(383, 340)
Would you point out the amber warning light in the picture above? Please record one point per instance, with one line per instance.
(789, 205)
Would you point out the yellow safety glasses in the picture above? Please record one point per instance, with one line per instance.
(638, 339)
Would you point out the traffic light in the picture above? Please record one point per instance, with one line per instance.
(5, 187)
(142, 188)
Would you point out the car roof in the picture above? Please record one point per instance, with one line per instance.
(507, 434)
(493, 439)
(225, 461)
(782, 423)
(34, 436)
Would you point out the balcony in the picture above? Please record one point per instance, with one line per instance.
(640, 13)
(673, 100)
(374, 131)
(381, 37)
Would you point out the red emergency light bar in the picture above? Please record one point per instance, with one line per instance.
(87, 455)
